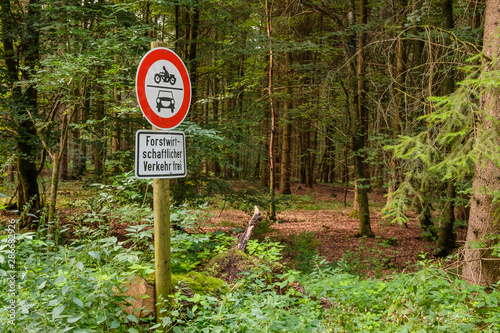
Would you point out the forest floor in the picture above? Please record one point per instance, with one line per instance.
(319, 215)
(320, 211)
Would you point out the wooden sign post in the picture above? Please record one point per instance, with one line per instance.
(161, 209)
(163, 92)
(163, 271)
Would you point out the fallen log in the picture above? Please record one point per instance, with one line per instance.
(243, 240)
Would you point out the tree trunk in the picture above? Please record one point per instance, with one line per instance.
(81, 154)
(117, 130)
(447, 234)
(25, 103)
(100, 142)
(56, 165)
(424, 211)
(272, 209)
(358, 136)
(399, 105)
(287, 129)
(479, 266)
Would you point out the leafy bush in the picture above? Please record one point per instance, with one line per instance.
(303, 250)
(267, 250)
(366, 260)
(330, 300)
(69, 288)
(125, 189)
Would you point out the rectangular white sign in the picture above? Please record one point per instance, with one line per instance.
(160, 154)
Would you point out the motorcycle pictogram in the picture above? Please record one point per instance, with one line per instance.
(165, 77)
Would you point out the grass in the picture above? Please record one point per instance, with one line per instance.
(309, 202)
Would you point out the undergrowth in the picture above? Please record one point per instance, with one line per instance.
(331, 300)
(72, 284)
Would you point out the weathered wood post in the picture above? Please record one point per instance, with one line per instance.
(161, 207)
(161, 153)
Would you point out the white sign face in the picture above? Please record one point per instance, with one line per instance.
(160, 154)
(163, 88)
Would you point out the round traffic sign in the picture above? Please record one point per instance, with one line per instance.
(163, 88)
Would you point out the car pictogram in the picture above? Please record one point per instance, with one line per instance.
(165, 100)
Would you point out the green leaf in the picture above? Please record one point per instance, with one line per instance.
(56, 313)
(79, 265)
(41, 285)
(132, 330)
(78, 302)
(64, 290)
(114, 324)
(100, 318)
(74, 318)
(132, 318)
(54, 302)
(95, 255)
(60, 279)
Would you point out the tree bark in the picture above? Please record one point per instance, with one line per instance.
(193, 47)
(272, 209)
(116, 129)
(100, 142)
(399, 104)
(245, 237)
(479, 266)
(287, 129)
(23, 103)
(358, 135)
(81, 154)
(447, 233)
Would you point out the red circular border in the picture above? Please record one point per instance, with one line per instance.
(147, 61)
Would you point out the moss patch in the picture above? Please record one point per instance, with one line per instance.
(228, 265)
(197, 282)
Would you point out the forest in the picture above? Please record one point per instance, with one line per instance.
(342, 167)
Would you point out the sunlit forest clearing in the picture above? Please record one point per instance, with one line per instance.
(249, 166)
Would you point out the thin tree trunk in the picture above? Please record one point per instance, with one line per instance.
(117, 129)
(81, 158)
(193, 47)
(56, 165)
(100, 142)
(447, 234)
(272, 212)
(285, 153)
(358, 139)
(399, 105)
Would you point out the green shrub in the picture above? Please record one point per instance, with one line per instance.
(303, 250)
(329, 300)
(70, 288)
